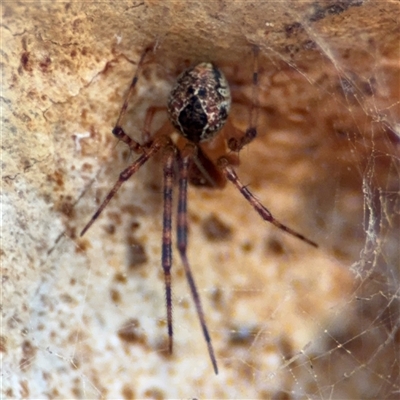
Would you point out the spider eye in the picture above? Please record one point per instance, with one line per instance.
(199, 104)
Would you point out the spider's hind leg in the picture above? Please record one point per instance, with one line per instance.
(158, 144)
(170, 154)
(265, 214)
(182, 239)
(250, 134)
(118, 131)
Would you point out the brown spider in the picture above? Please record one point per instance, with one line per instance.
(198, 108)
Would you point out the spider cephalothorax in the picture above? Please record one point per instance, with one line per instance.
(198, 108)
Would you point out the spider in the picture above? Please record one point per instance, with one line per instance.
(198, 108)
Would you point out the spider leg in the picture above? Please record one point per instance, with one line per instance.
(150, 113)
(125, 175)
(262, 210)
(251, 132)
(166, 257)
(118, 131)
(182, 236)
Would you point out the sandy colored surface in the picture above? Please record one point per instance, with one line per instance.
(85, 317)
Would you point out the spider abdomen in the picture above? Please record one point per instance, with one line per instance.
(199, 104)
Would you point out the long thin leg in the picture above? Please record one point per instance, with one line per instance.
(117, 131)
(166, 257)
(182, 236)
(262, 210)
(151, 111)
(124, 176)
(251, 132)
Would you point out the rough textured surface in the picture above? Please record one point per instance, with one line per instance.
(85, 317)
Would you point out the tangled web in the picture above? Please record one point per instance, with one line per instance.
(287, 322)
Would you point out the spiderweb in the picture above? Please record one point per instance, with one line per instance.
(85, 318)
